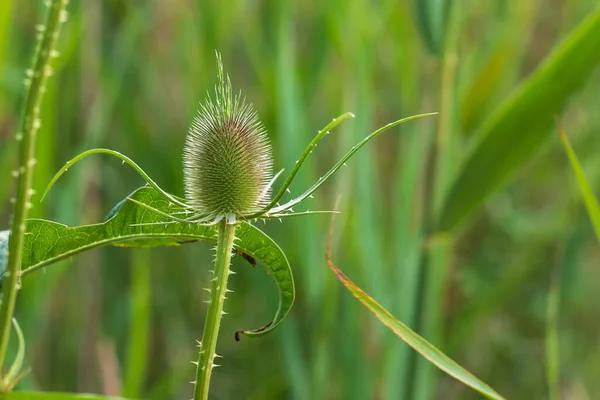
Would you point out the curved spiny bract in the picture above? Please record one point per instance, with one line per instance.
(227, 157)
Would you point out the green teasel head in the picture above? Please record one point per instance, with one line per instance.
(227, 158)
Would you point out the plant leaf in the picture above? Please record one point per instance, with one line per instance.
(131, 225)
(343, 160)
(521, 125)
(56, 396)
(124, 159)
(426, 349)
(14, 373)
(320, 135)
(591, 202)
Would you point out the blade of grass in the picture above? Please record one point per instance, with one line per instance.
(289, 108)
(427, 350)
(552, 341)
(366, 222)
(407, 254)
(519, 127)
(433, 273)
(140, 309)
(431, 16)
(591, 202)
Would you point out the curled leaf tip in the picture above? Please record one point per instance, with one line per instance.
(251, 332)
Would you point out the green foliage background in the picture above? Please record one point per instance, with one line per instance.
(131, 76)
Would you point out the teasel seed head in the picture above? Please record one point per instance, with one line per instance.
(227, 160)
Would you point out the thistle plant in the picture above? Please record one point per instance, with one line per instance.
(227, 164)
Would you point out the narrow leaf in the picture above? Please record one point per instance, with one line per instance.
(343, 160)
(426, 349)
(591, 202)
(15, 368)
(320, 135)
(124, 159)
(131, 225)
(521, 125)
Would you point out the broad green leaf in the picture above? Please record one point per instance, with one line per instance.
(522, 124)
(56, 396)
(132, 224)
(426, 349)
(591, 202)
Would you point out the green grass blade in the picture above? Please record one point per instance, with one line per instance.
(552, 343)
(140, 309)
(426, 349)
(47, 242)
(512, 135)
(591, 202)
(431, 18)
(56, 396)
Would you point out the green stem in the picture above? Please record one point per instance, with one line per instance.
(552, 339)
(218, 291)
(35, 81)
(434, 264)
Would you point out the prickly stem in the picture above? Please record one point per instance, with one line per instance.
(35, 82)
(207, 354)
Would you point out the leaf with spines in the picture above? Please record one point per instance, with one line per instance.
(131, 225)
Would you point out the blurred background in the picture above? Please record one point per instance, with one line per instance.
(130, 77)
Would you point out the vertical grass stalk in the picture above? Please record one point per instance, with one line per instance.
(436, 253)
(35, 82)
(552, 340)
(218, 290)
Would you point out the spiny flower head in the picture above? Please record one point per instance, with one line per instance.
(227, 161)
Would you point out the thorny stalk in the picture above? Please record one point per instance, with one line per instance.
(35, 82)
(218, 292)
